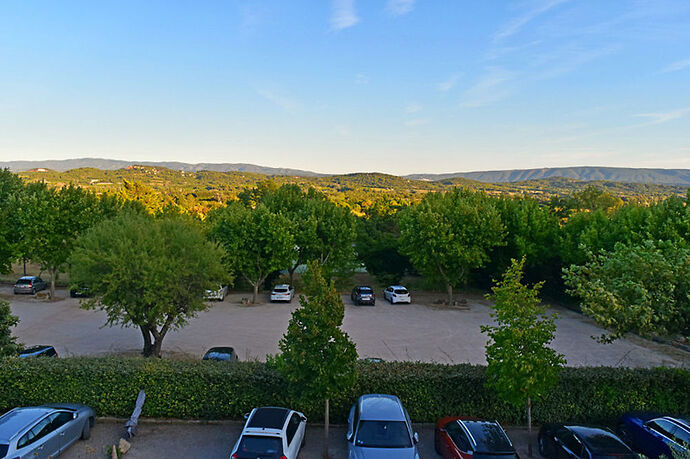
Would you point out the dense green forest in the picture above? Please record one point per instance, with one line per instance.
(200, 192)
(621, 251)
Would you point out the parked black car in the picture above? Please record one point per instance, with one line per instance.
(221, 354)
(557, 441)
(42, 350)
(29, 284)
(79, 292)
(363, 295)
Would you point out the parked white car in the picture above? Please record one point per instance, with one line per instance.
(271, 432)
(397, 294)
(217, 295)
(282, 292)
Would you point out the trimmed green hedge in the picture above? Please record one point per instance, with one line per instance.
(216, 390)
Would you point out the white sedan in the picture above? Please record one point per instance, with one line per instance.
(217, 295)
(282, 292)
(271, 432)
(397, 294)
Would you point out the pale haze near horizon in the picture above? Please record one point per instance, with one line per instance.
(397, 86)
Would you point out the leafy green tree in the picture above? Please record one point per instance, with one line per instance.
(521, 365)
(257, 241)
(8, 343)
(378, 244)
(11, 188)
(317, 357)
(638, 288)
(147, 272)
(448, 235)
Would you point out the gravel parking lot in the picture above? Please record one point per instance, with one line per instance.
(215, 441)
(421, 331)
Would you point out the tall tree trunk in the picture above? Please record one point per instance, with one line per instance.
(53, 273)
(156, 350)
(158, 338)
(291, 271)
(256, 291)
(148, 348)
(529, 426)
(325, 453)
(24, 261)
(449, 289)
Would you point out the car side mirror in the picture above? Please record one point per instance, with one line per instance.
(303, 418)
(415, 437)
(75, 415)
(350, 436)
(246, 415)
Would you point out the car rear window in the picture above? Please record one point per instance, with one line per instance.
(252, 445)
(401, 291)
(366, 291)
(218, 356)
(280, 290)
(3, 450)
(23, 281)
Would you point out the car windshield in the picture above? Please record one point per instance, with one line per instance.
(255, 444)
(489, 437)
(401, 291)
(383, 434)
(23, 281)
(365, 291)
(3, 450)
(605, 444)
(218, 356)
(280, 290)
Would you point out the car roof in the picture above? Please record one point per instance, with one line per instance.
(36, 348)
(282, 286)
(268, 417)
(398, 286)
(381, 407)
(682, 422)
(221, 349)
(596, 439)
(15, 421)
(364, 286)
(29, 277)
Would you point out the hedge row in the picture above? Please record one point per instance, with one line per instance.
(216, 390)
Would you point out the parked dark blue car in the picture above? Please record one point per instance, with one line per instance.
(655, 435)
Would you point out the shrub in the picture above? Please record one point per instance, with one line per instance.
(218, 390)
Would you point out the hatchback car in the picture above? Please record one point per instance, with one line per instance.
(44, 431)
(397, 294)
(282, 292)
(465, 438)
(363, 295)
(655, 435)
(560, 441)
(42, 350)
(216, 295)
(271, 433)
(379, 427)
(29, 284)
(221, 354)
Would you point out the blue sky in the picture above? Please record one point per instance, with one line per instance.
(397, 86)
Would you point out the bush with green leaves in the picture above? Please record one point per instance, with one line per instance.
(218, 390)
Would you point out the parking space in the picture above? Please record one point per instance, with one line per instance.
(422, 331)
(215, 441)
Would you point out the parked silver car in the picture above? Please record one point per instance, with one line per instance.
(379, 428)
(29, 284)
(43, 432)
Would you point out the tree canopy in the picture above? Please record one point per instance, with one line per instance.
(146, 272)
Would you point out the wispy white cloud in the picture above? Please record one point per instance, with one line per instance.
(568, 59)
(519, 22)
(663, 117)
(361, 78)
(449, 83)
(343, 14)
(413, 108)
(676, 66)
(489, 89)
(399, 7)
(417, 122)
(285, 102)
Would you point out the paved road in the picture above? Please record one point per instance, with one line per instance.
(215, 441)
(420, 331)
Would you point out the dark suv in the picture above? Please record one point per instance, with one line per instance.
(363, 295)
(29, 284)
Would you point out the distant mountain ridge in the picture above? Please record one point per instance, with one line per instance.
(586, 173)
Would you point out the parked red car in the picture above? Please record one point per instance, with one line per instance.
(468, 438)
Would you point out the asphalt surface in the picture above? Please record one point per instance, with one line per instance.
(422, 331)
(215, 441)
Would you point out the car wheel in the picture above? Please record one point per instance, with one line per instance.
(86, 433)
(543, 448)
(33, 291)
